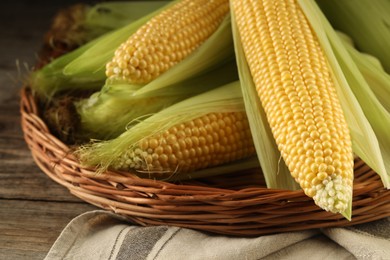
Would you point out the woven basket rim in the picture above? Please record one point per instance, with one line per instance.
(249, 210)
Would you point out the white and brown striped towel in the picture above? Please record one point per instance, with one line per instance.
(103, 235)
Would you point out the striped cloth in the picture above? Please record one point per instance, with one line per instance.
(104, 235)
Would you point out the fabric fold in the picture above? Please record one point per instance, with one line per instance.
(104, 235)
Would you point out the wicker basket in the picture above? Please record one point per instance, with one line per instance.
(236, 204)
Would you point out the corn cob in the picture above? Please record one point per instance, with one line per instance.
(204, 142)
(166, 39)
(294, 83)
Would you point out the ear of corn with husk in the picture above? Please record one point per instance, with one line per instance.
(298, 95)
(204, 131)
(165, 40)
(85, 68)
(312, 112)
(367, 111)
(216, 50)
(150, 60)
(267, 42)
(124, 100)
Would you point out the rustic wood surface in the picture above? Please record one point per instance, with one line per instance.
(33, 208)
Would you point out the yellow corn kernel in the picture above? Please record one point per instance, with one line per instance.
(204, 142)
(295, 86)
(166, 39)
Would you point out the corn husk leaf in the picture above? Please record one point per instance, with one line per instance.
(275, 171)
(372, 71)
(49, 80)
(375, 112)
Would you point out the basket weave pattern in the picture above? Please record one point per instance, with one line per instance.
(236, 204)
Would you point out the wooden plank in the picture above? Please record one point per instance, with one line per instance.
(29, 228)
(9, 93)
(10, 124)
(33, 186)
(20, 178)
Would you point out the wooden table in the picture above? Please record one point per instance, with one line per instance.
(33, 208)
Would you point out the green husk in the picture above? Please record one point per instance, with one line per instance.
(118, 104)
(367, 22)
(366, 118)
(372, 71)
(275, 171)
(49, 80)
(83, 68)
(105, 154)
